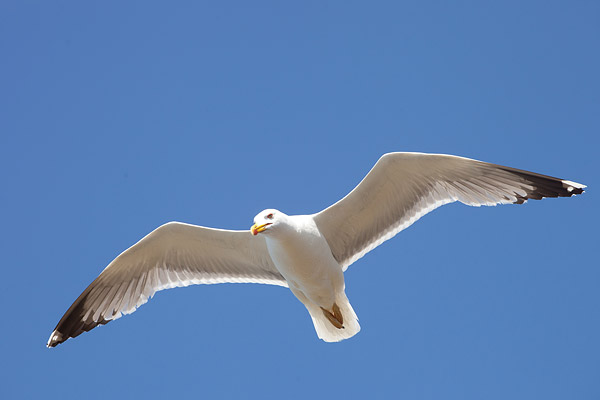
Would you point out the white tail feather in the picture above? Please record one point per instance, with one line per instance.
(326, 330)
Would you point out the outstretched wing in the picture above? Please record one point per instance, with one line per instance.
(172, 255)
(402, 187)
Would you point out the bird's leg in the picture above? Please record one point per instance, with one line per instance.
(336, 317)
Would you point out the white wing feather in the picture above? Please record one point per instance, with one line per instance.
(402, 187)
(173, 255)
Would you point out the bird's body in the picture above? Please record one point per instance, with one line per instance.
(301, 254)
(307, 253)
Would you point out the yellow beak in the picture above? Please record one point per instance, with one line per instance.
(256, 229)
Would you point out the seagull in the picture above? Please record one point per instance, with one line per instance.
(306, 253)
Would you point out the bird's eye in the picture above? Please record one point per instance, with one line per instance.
(270, 216)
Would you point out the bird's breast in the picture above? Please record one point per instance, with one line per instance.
(304, 258)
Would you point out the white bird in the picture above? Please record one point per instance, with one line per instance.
(307, 253)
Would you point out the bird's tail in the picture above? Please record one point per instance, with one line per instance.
(326, 325)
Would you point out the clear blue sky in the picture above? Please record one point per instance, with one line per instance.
(117, 117)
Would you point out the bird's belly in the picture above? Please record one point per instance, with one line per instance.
(309, 268)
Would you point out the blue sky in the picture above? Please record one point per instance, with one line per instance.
(117, 117)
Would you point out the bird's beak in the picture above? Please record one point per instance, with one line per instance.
(256, 229)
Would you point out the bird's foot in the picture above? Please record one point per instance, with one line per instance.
(334, 317)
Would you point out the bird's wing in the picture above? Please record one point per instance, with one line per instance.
(402, 187)
(172, 255)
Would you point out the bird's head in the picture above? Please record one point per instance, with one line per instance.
(266, 220)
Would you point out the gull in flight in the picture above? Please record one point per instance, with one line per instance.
(306, 253)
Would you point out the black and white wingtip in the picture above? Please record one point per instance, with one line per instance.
(544, 186)
(55, 338)
(573, 187)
